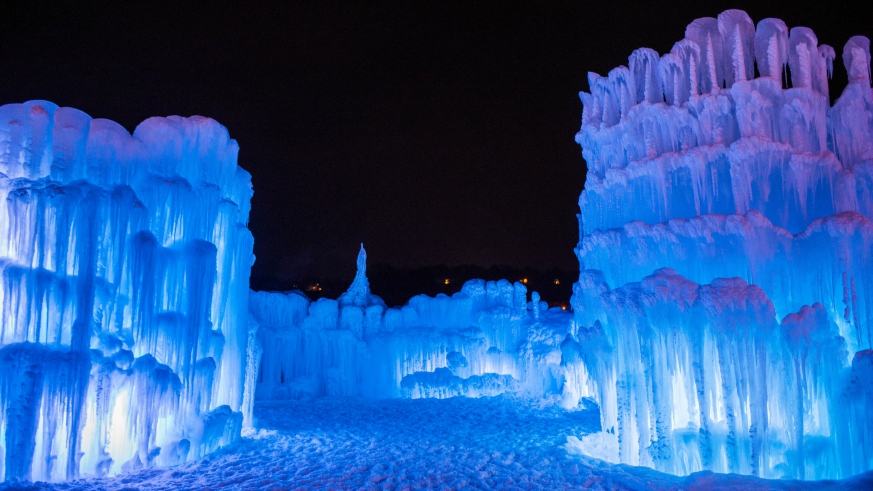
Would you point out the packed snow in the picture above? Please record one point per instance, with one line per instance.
(489, 443)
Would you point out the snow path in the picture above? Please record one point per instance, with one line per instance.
(459, 443)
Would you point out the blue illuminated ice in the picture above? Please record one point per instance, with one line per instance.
(724, 310)
(723, 317)
(725, 299)
(484, 340)
(124, 266)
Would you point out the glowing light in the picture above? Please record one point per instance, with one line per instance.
(740, 298)
(157, 221)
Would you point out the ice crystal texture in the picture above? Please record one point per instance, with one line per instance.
(124, 267)
(724, 310)
(485, 340)
(723, 317)
(725, 299)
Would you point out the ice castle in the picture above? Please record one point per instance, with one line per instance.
(722, 318)
(124, 268)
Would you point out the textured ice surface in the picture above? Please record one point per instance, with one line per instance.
(498, 443)
(482, 341)
(724, 299)
(124, 266)
(722, 318)
(722, 315)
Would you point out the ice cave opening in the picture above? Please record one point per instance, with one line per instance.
(722, 320)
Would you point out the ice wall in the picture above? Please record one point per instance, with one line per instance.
(484, 340)
(724, 300)
(124, 267)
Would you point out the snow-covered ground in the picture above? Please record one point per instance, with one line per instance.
(458, 443)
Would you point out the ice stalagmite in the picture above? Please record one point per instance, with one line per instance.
(725, 299)
(124, 266)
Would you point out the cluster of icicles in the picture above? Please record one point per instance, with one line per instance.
(124, 266)
(724, 306)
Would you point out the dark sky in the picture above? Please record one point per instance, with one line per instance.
(436, 133)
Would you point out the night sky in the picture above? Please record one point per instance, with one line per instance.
(435, 133)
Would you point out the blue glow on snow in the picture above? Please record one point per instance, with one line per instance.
(722, 319)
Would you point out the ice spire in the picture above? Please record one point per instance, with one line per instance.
(771, 48)
(362, 266)
(704, 32)
(361, 285)
(803, 57)
(359, 292)
(643, 65)
(738, 34)
(856, 57)
(535, 305)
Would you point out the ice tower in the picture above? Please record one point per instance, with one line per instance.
(124, 268)
(725, 300)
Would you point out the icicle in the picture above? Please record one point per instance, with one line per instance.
(704, 32)
(802, 54)
(738, 33)
(828, 54)
(672, 79)
(644, 79)
(771, 48)
(856, 58)
(689, 53)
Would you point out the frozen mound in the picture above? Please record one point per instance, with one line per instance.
(485, 340)
(124, 266)
(724, 301)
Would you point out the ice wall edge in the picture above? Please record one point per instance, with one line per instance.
(724, 296)
(124, 267)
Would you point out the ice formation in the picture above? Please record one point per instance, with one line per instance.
(723, 318)
(725, 299)
(124, 267)
(484, 340)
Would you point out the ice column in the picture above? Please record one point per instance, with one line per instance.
(124, 266)
(725, 297)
